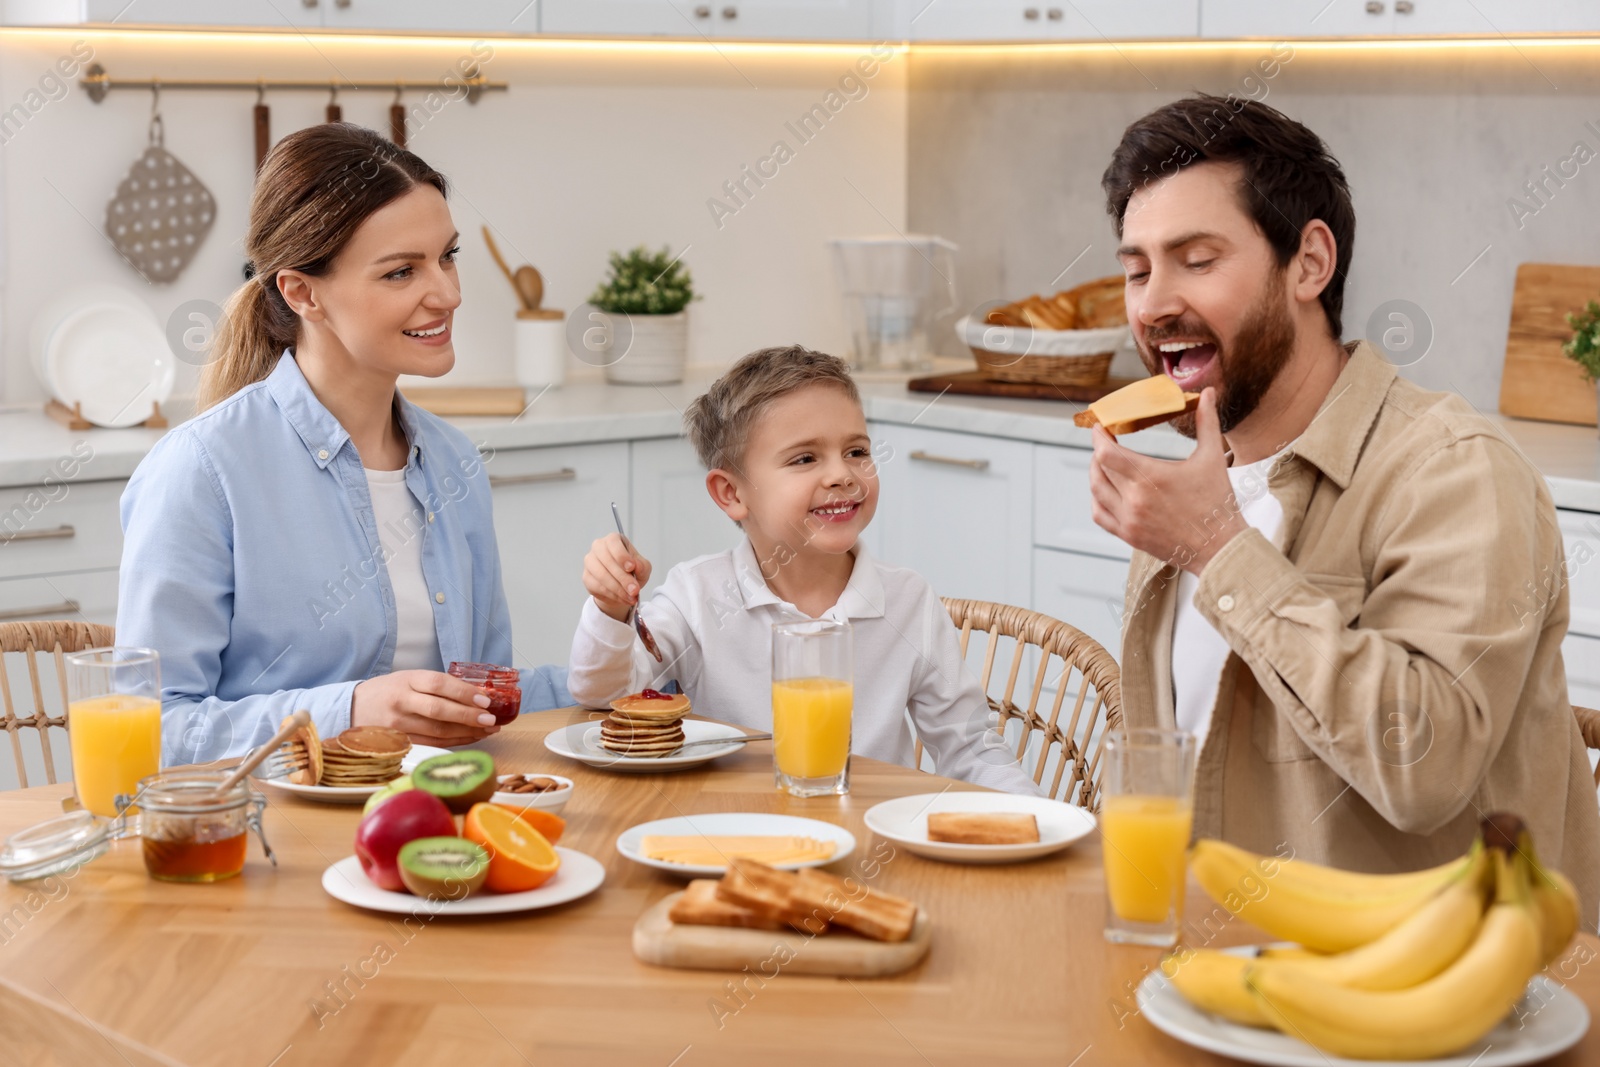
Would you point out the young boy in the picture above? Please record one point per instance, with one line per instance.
(785, 441)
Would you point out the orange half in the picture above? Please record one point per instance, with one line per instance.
(550, 825)
(520, 857)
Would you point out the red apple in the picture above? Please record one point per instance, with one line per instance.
(403, 817)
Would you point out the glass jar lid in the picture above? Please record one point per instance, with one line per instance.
(481, 673)
(55, 845)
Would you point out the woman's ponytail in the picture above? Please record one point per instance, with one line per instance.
(316, 187)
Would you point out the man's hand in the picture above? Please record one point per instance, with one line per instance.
(1182, 512)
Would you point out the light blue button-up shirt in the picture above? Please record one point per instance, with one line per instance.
(251, 562)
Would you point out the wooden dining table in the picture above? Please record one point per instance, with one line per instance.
(109, 968)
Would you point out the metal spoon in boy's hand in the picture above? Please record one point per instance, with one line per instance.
(638, 620)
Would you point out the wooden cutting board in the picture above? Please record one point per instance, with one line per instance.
(1538, 382)
(974, 383)
(660, 941)
(445, 400)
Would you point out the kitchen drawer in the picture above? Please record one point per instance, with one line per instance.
(549, 505)
(88, 596)
(1062, 511)
(80, 529)
(673, 518)
(1581, 655)
(958, 509)
(1580, 532)
(1083, 590)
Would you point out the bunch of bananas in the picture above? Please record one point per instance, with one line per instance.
(1406, 966)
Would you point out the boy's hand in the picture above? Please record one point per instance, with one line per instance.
(614, 576)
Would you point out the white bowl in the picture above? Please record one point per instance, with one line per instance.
(552, 800)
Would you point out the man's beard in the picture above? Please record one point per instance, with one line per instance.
(1248, 367)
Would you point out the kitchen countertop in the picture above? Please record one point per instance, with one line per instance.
(588, 410)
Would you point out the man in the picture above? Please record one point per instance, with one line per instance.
(1333, 590)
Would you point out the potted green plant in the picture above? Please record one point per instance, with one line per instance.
(1584, 348)
(651, 291)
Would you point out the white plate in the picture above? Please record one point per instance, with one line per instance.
(552, 800)
(113, 360)
(356, 794)
(579, 875)
(581, 741)
(734, 822)
(1548, 1021)
(904, 821)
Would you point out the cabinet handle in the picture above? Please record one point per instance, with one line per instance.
(730, 12)
(60, 533)
(1404, 7)
(565, 474)
(66, 607)
(1374, 7)
(308, 3)
(951, 461)
(703, 11)
(1030, 13)
(341, 3)
(1054, 14)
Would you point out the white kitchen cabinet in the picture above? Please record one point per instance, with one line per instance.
(549, 506)
(1062, 505)
(1581, 656)
(958, 509)
(672, 518)
(474, 16)
(85, 596)
(267, 14)
(1059, 20)
(1082, 590)
(63, 526)
(1280, 19)
(761, 19)
(1580, 534)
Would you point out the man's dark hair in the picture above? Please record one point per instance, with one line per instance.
(1289, 176)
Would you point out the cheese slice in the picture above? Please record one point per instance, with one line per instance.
(1146, 398)
(712, 850)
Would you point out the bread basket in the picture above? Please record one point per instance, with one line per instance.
(1045, 357)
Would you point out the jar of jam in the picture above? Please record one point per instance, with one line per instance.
(502, 685)
(192, 833)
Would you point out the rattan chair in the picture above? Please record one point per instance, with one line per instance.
(1589, 726)
(1070, 753)
(35, 641)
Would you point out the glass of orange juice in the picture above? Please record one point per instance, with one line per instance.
(1146, 813)
(812, 697)
(113, 722)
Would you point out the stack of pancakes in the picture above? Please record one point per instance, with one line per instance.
(363, 756)
(641, 727)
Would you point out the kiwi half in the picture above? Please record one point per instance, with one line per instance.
(460, 779)
(449, 868)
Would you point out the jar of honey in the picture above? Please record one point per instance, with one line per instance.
(191, 832)
(502, 685)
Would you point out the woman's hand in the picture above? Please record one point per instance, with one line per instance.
(433, 708)
(614, 576)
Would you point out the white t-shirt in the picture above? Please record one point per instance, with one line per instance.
(712, 620)
(400, 523)
(1198, 651)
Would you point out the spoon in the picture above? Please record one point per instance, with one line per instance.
(529, 284)
(494, 251)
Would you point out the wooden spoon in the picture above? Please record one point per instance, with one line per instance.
(516, 288)
(530, 286)
(293, 723)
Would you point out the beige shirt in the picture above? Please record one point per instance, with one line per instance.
(1396, 665)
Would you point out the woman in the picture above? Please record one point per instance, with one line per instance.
(311, 539)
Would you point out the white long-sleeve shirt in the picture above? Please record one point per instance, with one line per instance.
(712, 619)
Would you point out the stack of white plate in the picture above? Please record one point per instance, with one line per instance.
(103, 348)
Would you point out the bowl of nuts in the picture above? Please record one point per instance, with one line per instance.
(548, 792)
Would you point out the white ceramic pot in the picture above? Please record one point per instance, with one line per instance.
(541, 349)
(654, 350)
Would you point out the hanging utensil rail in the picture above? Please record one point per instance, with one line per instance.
(97, 83)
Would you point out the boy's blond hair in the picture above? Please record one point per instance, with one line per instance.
(718, 423)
